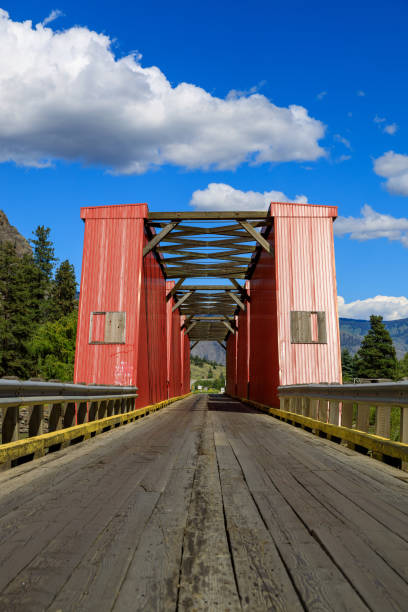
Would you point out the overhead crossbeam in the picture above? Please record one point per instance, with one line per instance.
(208, 245)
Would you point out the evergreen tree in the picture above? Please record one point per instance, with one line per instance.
(19, 310)
(63, 293)
(44, 259)
(376, 357)
(44, 254)
(347, 365)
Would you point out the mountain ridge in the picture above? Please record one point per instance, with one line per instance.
(352, 331)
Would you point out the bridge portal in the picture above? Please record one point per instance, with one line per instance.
(261, 283)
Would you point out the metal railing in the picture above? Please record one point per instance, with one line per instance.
(373, 417)
(31, 408)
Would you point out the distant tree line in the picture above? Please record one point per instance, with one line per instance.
(376, 357)
(38, 311)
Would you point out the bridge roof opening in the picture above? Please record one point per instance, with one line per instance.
(196, 247)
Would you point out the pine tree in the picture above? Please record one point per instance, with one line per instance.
(63, 293)
(44, 254)
(376, 357)
(44, 259)
(347, 365)
(19, 310)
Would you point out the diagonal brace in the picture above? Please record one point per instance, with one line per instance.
(257, 236)
(156, 239)
(236, 300)
(181, 300)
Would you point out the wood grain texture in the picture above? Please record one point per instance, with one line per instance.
(208, 505)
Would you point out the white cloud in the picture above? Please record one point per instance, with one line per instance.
(343, 158)
(66, 96)
(218, 196)
(378, 119)
(372, 225)
(394, 167)
(321, 95)
(343, 140)
(391, 129)
(389, 307)
(361, 93)
(52, 16)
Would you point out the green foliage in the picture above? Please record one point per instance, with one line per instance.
(44, 254)
(347, 364)
(63, 292)
(376, 357)
(402, 367)
(199, 361)
(19, 309)
(52, 348)
(37, 314)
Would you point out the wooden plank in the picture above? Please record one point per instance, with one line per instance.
(207, 580)
(158, 237)
(262, 579)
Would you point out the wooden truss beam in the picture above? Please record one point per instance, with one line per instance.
(257, 236)
(194, 344)
(237, 300)
(156, 239)
(208, 216)
(181, 300)
(222, 344)
(175, 289)
(228, 326)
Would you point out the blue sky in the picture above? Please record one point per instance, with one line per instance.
(303, 98)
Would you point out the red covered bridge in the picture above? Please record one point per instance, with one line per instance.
(211, 504)
(277, 316)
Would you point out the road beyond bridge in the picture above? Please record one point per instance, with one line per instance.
(208, 505)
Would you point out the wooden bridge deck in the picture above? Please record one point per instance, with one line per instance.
(204, 506)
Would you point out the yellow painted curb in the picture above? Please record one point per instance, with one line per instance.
(61, 438)
(376, 444)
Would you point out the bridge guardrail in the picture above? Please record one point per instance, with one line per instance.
(370, 417)
(32, 408)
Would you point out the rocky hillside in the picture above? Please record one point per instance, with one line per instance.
(8, 233)
(352, 331)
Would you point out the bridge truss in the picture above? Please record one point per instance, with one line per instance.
(208, 245)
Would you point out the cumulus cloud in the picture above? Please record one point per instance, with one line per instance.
(321, 95)
(66, 96)
(219, 196)
(55, 13)
(361, 93)
(389, 307)
(373, 225)
(394, 167)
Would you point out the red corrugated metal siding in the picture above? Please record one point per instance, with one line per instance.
(231, 364)
(111, 279)
(243, 349)
(184, 341)
(174, 347)
(152, 364)
(300, 276)
(116, 278)
(307, 281)
(264, 365)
